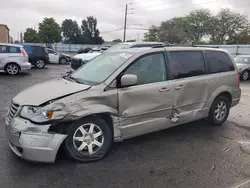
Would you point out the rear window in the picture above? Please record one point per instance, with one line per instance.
(218, 62)
(9, 49)
(187, 64)
(28, 49)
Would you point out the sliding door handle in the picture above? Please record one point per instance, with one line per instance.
(164, 89)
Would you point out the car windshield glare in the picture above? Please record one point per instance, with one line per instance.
(100, 68)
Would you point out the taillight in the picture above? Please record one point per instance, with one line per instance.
(238, 79)
(24, 52)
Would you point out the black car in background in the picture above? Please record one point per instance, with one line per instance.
(38, 55)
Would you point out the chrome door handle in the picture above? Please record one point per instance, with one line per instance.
(164, 89)
(179, 87)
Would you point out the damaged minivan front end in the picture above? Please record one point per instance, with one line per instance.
(29, 121)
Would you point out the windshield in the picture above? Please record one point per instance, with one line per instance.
(117, 47)
(100, 68)
(243, 60)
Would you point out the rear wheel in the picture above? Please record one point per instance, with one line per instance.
(40, 64)
(12, 68)
(220, 110)
(88, 139)
(245, 75)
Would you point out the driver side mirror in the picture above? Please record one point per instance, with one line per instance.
(128, 80)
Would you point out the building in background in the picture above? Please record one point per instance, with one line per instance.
(11, 40)
(4, 33)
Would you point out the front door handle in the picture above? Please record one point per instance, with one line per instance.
(179, 87)
(164, 89)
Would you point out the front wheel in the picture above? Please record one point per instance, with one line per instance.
(88, 139)
(40, 64)
(220, 110)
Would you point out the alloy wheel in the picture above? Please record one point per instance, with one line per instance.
(12, 69)
(221, 110)
(88, 138)
(40, 64)
(245, 75)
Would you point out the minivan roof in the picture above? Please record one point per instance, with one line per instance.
(149, 49)
(8, 44)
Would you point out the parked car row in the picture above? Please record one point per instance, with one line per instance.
(15, 58)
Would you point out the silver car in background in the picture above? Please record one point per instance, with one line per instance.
(243, 64)
(13, 58)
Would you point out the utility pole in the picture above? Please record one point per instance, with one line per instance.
(125, 23)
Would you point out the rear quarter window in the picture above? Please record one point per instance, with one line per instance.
(218, 62)
(13, 49)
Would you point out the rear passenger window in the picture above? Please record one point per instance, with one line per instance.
(187, 64)
(13, 49)
(218, 62)
(3, 49)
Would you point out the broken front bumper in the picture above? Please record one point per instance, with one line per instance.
(33, 142)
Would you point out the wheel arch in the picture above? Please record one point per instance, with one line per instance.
(111, 120)
(225, 93)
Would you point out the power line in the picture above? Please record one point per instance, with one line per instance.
(112, 30)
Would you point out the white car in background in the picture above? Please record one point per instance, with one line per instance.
(80, 59)
(13, 58)
(57, 57)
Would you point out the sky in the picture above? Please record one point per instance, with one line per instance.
(21, 14)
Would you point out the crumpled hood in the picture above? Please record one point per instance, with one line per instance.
(46, 91)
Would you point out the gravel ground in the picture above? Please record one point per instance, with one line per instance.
(192, 155)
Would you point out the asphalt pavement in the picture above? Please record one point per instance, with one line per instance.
(192, 155)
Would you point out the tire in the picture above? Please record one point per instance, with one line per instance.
(12, 68)
(63, 61)
(245, 75)
(40, 63)
(77, 145)
(215, 110)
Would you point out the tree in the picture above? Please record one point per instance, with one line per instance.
(117, 40)
(49, 31)
(31, 36)
(198, 24)
(70, 31)
(133, 40)
(152, 34)
(90, 33)
(174, 30)
(226, 25)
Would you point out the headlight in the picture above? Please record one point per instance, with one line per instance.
(36, 114)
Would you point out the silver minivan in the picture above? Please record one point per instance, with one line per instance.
(13, 58)
(119, 95)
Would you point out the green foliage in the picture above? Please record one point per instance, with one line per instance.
(90, 33)
(152, 34)
(31, 36)
(200, 27)
(133, 40)
(49, 31)
(70, 31)
(117, 40)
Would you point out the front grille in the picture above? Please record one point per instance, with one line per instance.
(12, 111)
(75, 63)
